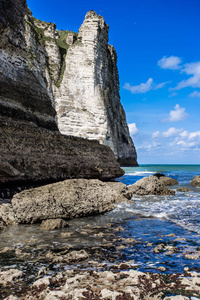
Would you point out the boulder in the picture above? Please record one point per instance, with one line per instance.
(54, 224)
(67, 199)
(166, 180)
(150, 186)
(196, 181)
(184, 189)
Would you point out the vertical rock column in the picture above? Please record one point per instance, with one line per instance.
(87, 101)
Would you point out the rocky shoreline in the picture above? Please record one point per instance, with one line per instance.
(92, 272)
(74, 198)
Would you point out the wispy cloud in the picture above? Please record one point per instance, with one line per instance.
(178, 114)
(194, 81)
(173, 94)
(171, 62)
(144, 87)
(195, 94)
(133, 129)
(176, 139)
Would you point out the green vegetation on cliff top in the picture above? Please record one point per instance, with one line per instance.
(39, 27)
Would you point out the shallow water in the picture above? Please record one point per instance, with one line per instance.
(172, 221)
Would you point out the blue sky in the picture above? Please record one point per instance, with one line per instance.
(157, 42)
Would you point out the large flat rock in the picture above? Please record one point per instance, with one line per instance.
(67, 199)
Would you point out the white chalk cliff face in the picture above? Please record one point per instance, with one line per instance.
(88, 101)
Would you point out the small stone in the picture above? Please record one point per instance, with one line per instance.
(192, 256)
(41, 282)
(163, 269)
(171, 234)
(43, 271)
(186, 269)
(150, 244)
(5, 250)
(159, 248)
(66, 234)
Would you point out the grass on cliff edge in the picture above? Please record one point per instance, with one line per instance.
(60, 41)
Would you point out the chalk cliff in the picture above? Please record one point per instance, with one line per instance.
(88, 101)
(31, 147)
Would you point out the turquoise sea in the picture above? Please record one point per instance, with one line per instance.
(148, 232)
(182, 209)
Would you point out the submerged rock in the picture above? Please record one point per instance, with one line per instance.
(54, 224)
(196, 181)
(184, 189)
(150, 186)
(165, 179)
(67, 199)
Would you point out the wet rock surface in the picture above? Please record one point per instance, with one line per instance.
(150, 186)
(100, 268)
(184, 189)
(54, 224)
(129, 284)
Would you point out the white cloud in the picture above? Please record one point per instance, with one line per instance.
(184, 134)
(186, 144)
(195, 94)
(171, 62)
(144, 87)
(178, 114)
(141, 88)
(194, 135)
(194, 81)
(133, 129)
(173, 94)
(171, 132)
(155, 134)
